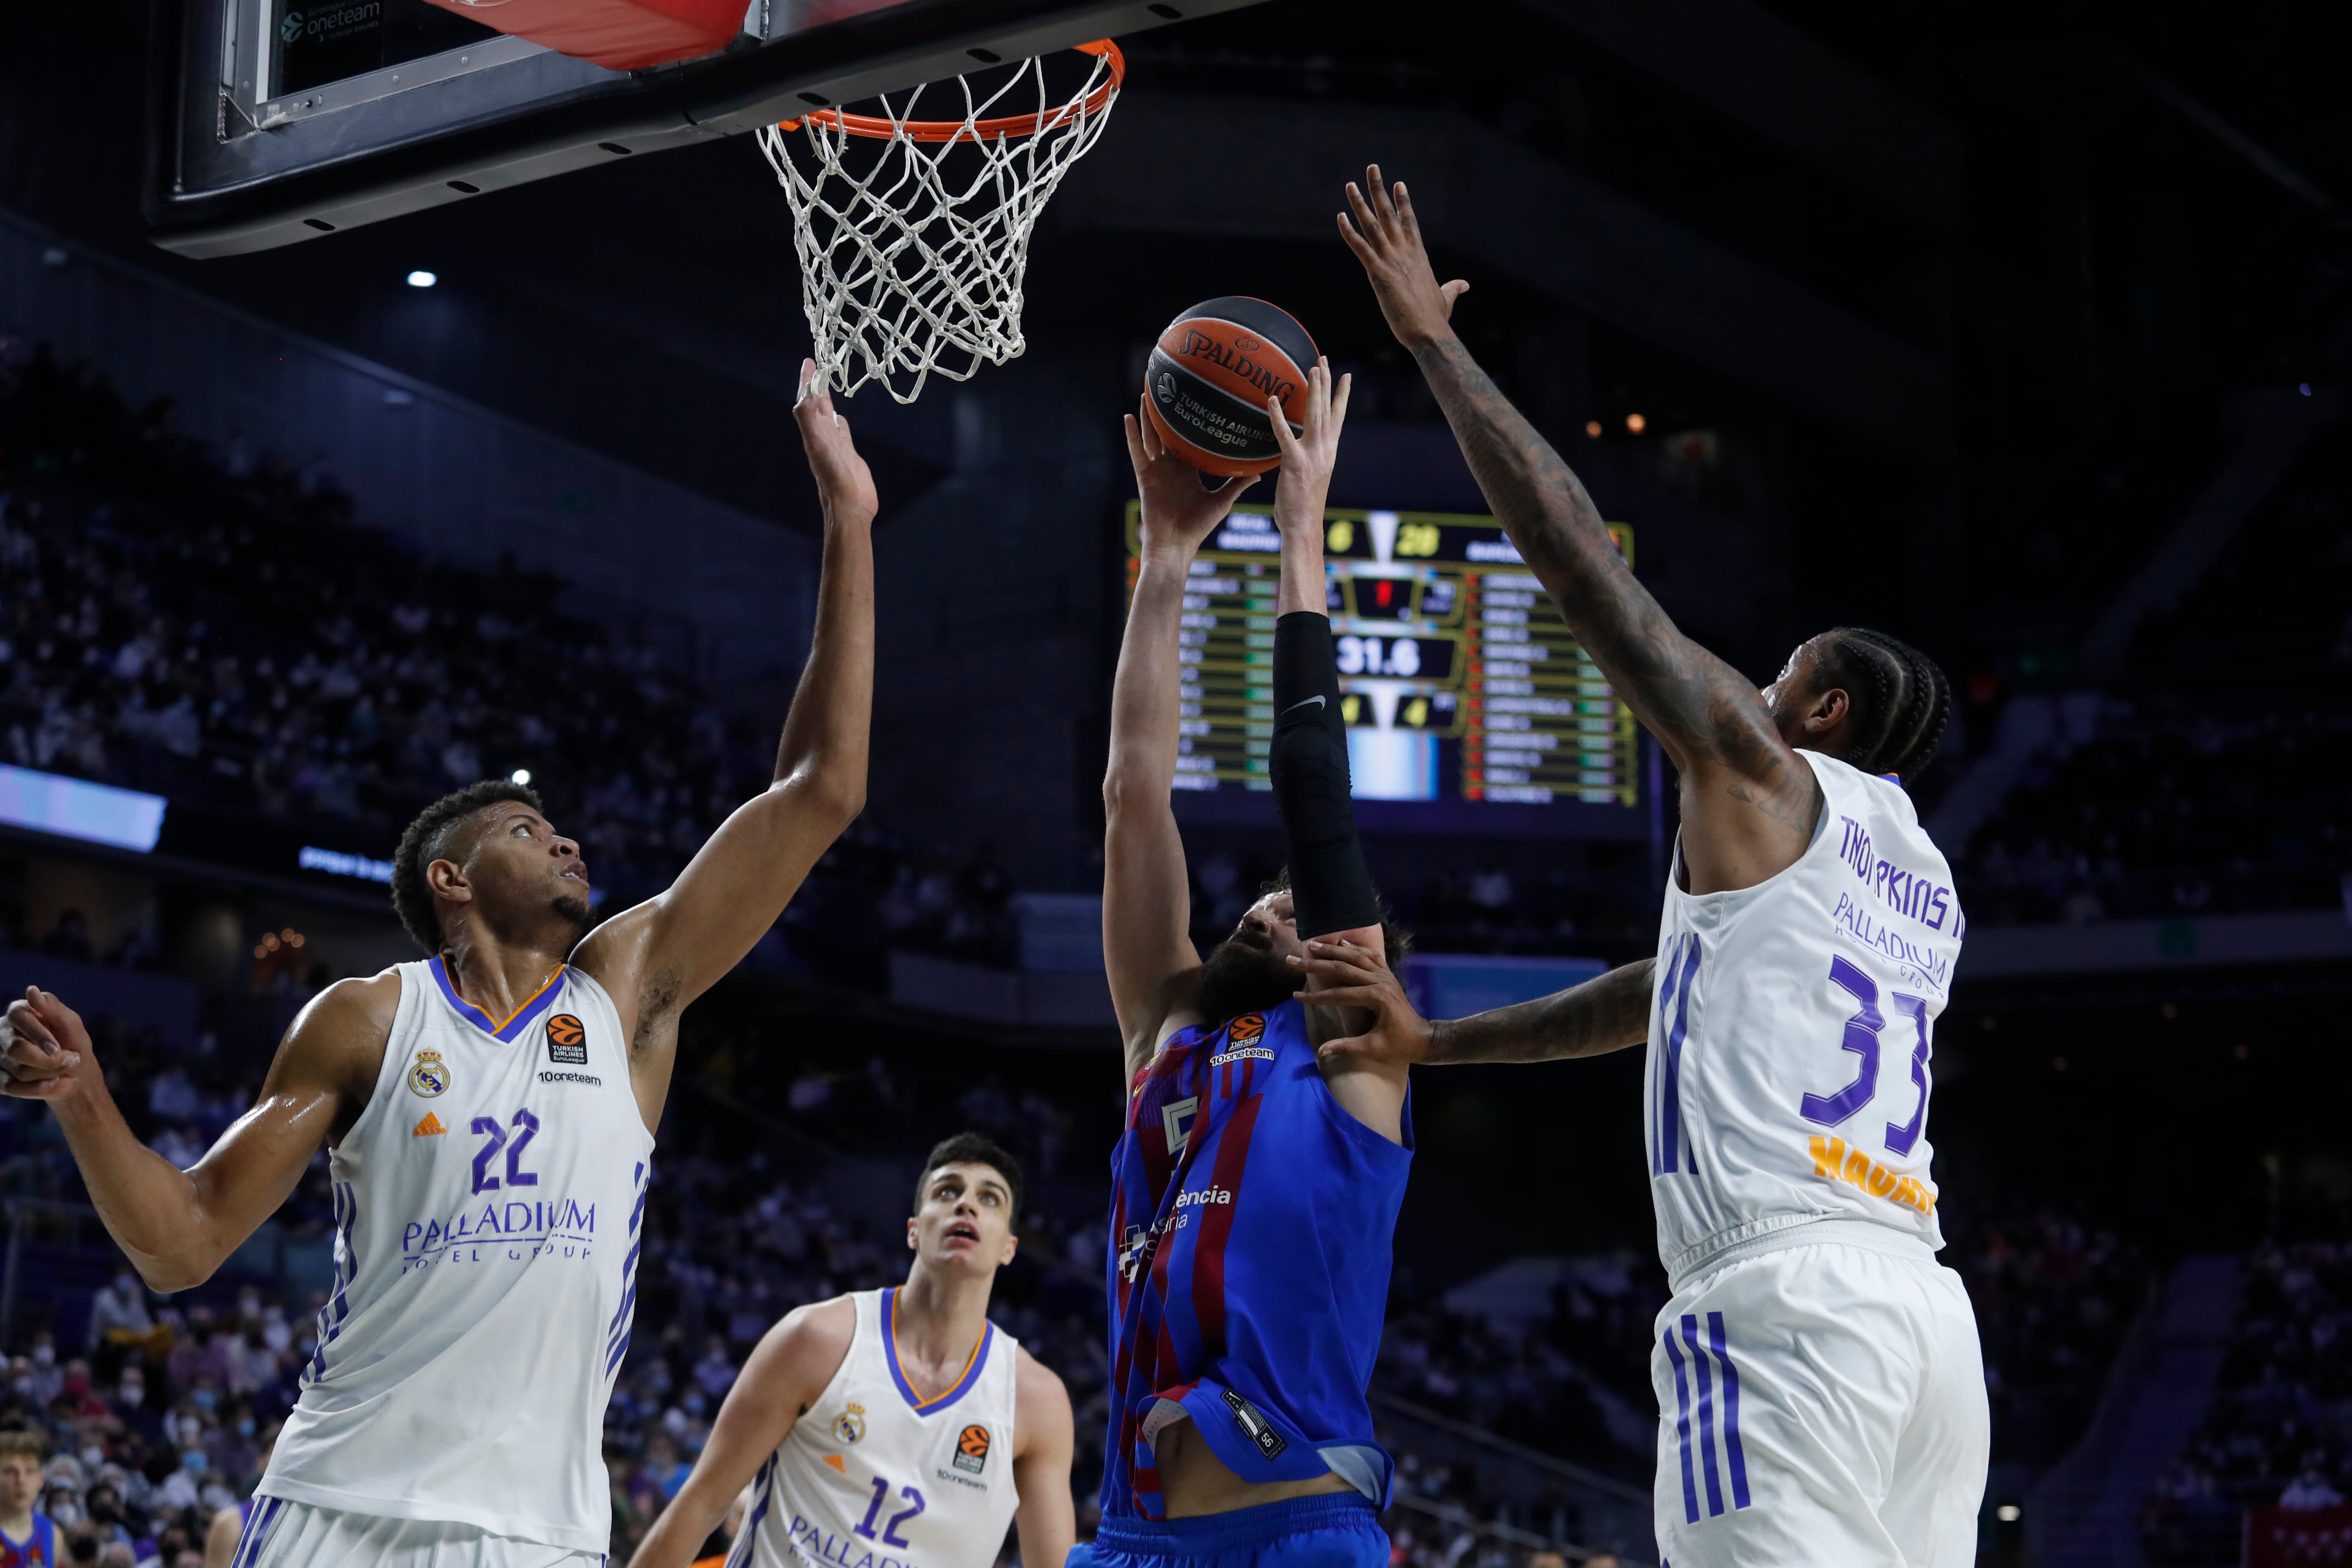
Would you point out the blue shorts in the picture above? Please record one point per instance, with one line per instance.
(1338, 1530)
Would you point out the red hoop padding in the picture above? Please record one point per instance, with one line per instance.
(886, 129)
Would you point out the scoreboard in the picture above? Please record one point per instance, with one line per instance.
(1460, 680)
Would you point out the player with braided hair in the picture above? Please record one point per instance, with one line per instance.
(1902, 721)
(1821, 1389)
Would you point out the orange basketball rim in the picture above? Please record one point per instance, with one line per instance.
(882, 127)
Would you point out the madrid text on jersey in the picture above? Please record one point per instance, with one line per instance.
(518, 1230)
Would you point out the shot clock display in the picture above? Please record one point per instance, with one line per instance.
(1459, 679)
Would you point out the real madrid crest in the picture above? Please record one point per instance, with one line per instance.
(430, 1076)
(850, 1426)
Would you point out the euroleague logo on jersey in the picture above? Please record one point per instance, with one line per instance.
(972, 1450)
(567, 1040)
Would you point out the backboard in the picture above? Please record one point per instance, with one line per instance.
(278, 121)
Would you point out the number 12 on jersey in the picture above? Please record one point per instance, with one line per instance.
(890, 1536)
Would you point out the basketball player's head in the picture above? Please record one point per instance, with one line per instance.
(1246, 972)
(1864, 698)
(966, 1207)
(486, 859)
(22, 1455)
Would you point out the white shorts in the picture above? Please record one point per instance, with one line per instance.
(281, 1534)
(1821, 1407)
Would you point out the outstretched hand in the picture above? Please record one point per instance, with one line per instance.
(43, 1047)
(1309, 456)
(1386, 238)
(1178, 513)
(1358, 979)
(843, 481)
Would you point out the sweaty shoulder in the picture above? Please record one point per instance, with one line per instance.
(338, 1041)
(1040, 1407)
(799, 1356)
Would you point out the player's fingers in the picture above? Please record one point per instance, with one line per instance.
(1134, 442)
(1377, 189)
(1354, 241)
(25, 1021)
(1230, 491)
(41, 1088)
(1367, 218)
(1340, 402)
(1370, 998)
(813, 390)
(1406, 221)
(1349, 1046)
(1332, 972)
(1343, 952)
(1153, 447)
(1284, 440)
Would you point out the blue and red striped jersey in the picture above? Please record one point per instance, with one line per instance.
(38, 1549)
(1251, 1225)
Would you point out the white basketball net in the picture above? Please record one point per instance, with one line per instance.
(913, 265)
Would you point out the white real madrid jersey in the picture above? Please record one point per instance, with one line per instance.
(879, 1474)
(1792, 1036)
(487, 1203)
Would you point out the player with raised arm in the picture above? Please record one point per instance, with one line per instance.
(490, 1113)
(1255, 1190)
(894, 1422)
(1820, 1385)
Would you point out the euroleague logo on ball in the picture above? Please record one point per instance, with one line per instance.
(1212, 374)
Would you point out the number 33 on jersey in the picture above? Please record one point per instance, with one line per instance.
(1792, 1039)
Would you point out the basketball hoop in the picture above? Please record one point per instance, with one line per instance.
(914, 266)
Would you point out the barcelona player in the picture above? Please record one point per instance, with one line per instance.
(1257, 1188)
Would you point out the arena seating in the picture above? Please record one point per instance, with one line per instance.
(143, 591)
(2215, 781)
(2277, 1433)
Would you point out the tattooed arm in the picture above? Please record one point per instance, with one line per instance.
(1748, 802)
(1605, 1013)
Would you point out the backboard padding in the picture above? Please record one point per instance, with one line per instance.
(239, 166)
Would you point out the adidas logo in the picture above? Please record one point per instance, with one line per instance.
(428, 1127)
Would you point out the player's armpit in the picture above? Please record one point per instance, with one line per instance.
(177, 1227)
(784, 1375)
(1046, 1518)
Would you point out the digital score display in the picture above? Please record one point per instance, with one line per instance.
(1460, 679)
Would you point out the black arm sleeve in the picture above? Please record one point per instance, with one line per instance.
(1329, 883)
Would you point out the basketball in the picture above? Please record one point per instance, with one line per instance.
(1211, 374)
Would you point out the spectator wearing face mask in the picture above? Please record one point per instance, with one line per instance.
(46, 1375)
(28, 1536)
